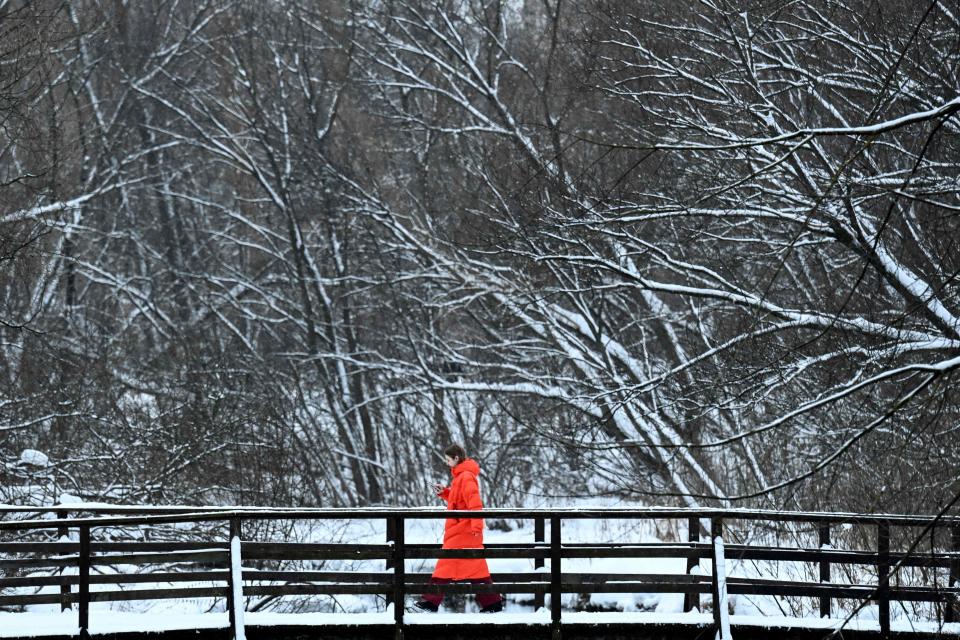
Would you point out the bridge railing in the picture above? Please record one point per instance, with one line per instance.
(223, 566)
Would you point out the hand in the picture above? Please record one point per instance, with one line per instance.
(438, 488)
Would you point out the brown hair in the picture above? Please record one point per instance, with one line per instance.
(455, 451)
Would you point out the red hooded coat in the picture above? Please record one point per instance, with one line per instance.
(463, 533)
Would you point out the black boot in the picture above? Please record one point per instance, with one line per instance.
(426, 605)
(496, 607)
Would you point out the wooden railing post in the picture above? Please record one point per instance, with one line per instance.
(538, 563)
(883, 576)
(399, 575)
(391, 536)
(691, 599)
(63, 532)
(824, 568)
(718, 582)
(83, 586)
(951, 612)
(556, 595)
(235, 581)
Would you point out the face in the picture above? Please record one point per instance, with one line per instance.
(451, 462)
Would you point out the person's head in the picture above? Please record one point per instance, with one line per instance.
(454, 455)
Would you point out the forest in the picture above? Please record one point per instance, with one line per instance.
(667, 253)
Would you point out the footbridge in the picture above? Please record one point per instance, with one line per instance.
(76, 570)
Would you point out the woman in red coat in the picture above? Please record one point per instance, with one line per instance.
(462, 533)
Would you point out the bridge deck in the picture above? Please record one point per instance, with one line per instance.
(112, 625)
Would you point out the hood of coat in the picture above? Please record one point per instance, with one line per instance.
(467, 465)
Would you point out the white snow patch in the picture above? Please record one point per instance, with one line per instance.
(34, 458)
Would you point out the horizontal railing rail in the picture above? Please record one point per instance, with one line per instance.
(183, 513)
(215, 568)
